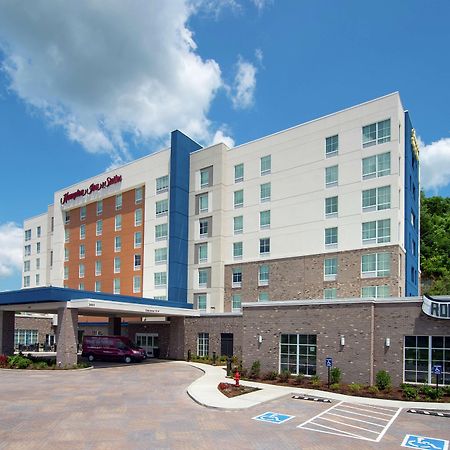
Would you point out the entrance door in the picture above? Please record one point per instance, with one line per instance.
(148, 341)
(226, 344)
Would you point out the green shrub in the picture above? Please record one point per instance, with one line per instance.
(255, 370)
(39, 365)
(315, 380)
(335, 386)
(446, 390)
(354, 387)
(410, 392)
(335, 375)
(272, 375)
(373, 390)
(299, 378)
(284, 376)
(19, 362)
(383, 380)
(431, 392)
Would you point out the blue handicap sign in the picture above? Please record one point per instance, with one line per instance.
(423, 442)
(273, 417)
(329, 362)
(437, 370)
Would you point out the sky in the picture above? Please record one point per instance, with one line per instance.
(89, 85)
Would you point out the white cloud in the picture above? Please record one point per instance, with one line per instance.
(103, 71)
(259, 55)
(221, 137)
(10, 249)
(243, 89)
(261, 4)
(435, 164)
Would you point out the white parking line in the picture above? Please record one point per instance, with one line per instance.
(353, 426)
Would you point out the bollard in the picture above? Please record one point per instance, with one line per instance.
(228, 366)
(214, 358)
(189, 355)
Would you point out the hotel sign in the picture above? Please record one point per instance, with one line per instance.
(94, 187)
(439, 309)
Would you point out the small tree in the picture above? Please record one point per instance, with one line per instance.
(383, 380)
(255, 370)
(335, 375)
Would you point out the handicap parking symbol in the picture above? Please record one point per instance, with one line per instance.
(273, 417)
(423, 442)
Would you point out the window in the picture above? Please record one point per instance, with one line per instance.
(136, 284)
(330, 293)
(82, 231)
(66, 272)
(138, 217)
(204, 177)
(238, 173)
(266, 165)
(118, 202)
(118, 222)
(137, 239)
(162, 206)
(99, 207)
(298, 353)
(203, 344)
(331, 236)
(202, 253)
(237, 277)
(98, 286)
(99, 228)
(331, 206)
(237, 250)
(81, 286)
(27, 250)
(26, 266)
(98, 248)
(264, 246)
(138, 195)
(83, 213)
(264, 219)
(330, 269)
(160, 279)
(66, 217)
(331, 145)
(81, 271)
(263, 275)
(331, 176)
(203, 278)
(66, 235)
(26, 281)
(376, 231)
(236, 302)
(421, 354)
(238, 199)
(160, 255)
(116, 286)
(263, 297)
(376, 166)
(38, 263)
(137, 262)
(25, 337)
(204, 227)
(38, 232)
(162, 184)
(203, 203)
(161, 232)
(117, 264)
(37, 279)
(376, 198)
(98, 268)
(376, 265)
(238, 224)
(375, 292)
(117, 243)
(82, 253)
(201, 301)
(265, 192)
(376, 133)
(27, 235)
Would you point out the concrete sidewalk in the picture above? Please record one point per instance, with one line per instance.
(204, 391)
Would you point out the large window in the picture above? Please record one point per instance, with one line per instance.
(331, 145)
(238, 173)
(203, 344)
(376, 166)
(265, 192)
(162, 207)
(330, 269)
(376, 133)
(266, 165)
(376, 265)
(377, 231)
(376, 198)
(298, 353)
(331, 176)
(375, 291)
(422, 353)
(25, 337)
(162, 184)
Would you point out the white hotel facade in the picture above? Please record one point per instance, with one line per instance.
(326, 209)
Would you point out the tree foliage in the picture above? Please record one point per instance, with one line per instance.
(435, 244)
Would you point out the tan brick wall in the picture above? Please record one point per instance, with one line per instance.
(303, 277)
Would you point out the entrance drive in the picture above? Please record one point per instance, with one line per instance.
(149, 342)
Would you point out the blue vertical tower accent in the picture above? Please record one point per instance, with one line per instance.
(412, 212)
(180, 149)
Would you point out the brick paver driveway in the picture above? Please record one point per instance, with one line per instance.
(145, 406)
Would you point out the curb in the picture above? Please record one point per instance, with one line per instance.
(313, 399)
(428, 413)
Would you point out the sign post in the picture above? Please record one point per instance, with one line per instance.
(329, 365)
(437, 370)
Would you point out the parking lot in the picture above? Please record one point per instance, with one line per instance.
(145, 406)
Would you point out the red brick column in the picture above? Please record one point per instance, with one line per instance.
(67, 337)
(7, 332)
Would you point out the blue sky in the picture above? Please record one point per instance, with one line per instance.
(84, 87)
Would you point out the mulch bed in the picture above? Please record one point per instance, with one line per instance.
(231, 390)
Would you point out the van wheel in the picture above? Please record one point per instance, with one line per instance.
(91, 358)
(127, 359)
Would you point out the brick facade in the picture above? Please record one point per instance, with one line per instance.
(303, 277)
(43, 325)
